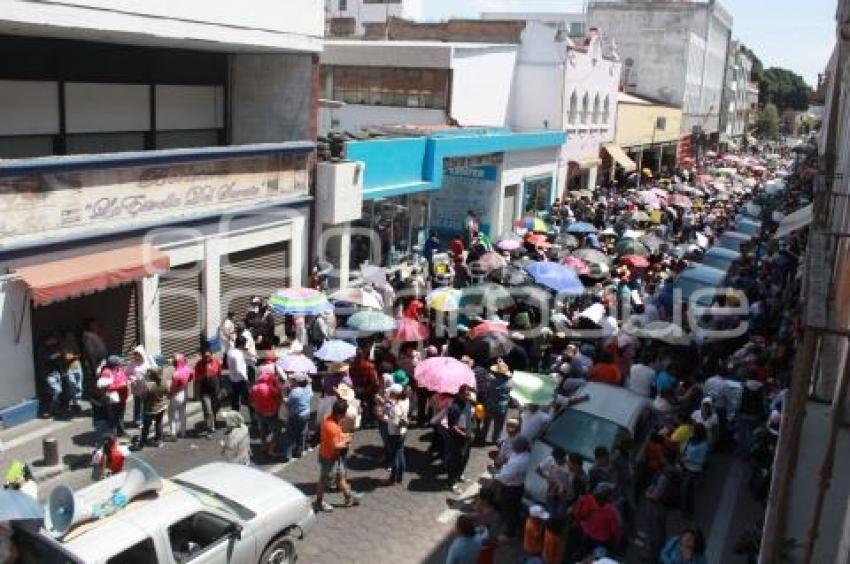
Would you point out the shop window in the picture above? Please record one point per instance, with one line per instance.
(661, 123)
(538, 194)
(343, 5)
(411, 88)
(573, 113)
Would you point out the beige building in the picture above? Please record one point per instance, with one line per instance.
(647, 135)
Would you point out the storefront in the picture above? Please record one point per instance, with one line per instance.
(155, 247)
(399, 223)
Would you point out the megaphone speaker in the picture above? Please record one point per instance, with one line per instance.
(140, 478)
(66, 509)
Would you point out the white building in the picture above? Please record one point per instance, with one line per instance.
(358, 13)
(673, 52)
(154, 172)
(735, 115)
(572, 85)
(575, 24)
(415, 83)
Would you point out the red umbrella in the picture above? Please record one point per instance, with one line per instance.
(635, 261)
(575, 263)
(409, 330)
(487, 327)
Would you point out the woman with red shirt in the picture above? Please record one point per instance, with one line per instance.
(208, 378)
(598, 519)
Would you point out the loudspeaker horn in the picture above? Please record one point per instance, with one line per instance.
(66, 509)
(140, 478)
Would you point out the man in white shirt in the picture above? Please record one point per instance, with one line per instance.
(237, 371)
(533, 420)
(226, 333)
(641, 377)
(511, 478)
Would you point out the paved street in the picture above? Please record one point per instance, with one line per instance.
(406, 524)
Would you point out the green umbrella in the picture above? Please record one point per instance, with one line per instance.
(527, 387)
(489, 296)
(632, 247)
(371, 322)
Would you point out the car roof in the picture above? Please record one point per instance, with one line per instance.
(110, 535)
(722, 252)
(702, 273)
(735, 235)
(615, 404)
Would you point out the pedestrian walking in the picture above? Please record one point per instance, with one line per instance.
(510, 480)
(396, 411)
(237, 373)
(333, 441)
(208, 380)
(497, 401)
(297, 415)
(112, 381)
(177, 396)
(156, 402)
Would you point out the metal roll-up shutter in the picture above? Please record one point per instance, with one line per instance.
(115, 310)
(181, 310)
(252, 272)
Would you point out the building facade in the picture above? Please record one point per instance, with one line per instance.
(674, 52)
(735, 113)
(574, 24)
(350, 17)
(570, 85)
(155, 175)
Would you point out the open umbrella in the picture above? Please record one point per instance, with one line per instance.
(509, 276)
(598, 271)
(335, 350)
(567, 241)
(581, 227)
(576, 264)
(532, 223)
(680, 200)
(490, 346)
(491, 261)
(592, 256)
(444, 299)
(443, 374)
(556, 277)
(373, 274)
(631, 247)
(409, 330)
(649, 198)
(635, 261)
(371, 322)
(488, 296)
(358, 297)
(637, 216)
(299, 301)
(15, 505)
(652, 242)
(509, 244)
(487, 327)
(296, 362)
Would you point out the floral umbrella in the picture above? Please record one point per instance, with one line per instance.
(444, 299)
(358, 297)
(299, 301)
(443, 374)
(575, 263)
(371, 322)
(408, 330)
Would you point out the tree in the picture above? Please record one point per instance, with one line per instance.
(767, 123)
(784, 88)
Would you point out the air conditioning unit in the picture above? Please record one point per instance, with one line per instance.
(339, 191)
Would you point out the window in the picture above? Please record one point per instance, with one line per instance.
(573, 109)
(196, 533)
(377, 86)
(596, 109)
(606, 110)
(661, 123)
(343, 5)
(140, 553)
(585, 103)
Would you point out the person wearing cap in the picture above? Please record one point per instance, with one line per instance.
(497, 400)
(297, 415)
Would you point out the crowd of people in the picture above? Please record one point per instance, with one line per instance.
(711, 386)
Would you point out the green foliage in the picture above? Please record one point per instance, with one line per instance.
(767, 123)
(784, 88)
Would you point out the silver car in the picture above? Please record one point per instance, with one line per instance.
(218, 513)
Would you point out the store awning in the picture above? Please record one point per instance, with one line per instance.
(588, 162)
(794, 221)
(67, 278)
(618, 154)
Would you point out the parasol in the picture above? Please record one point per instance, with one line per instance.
(371, 322)
(509, 276)
(576, 264)
(486, 327)
(299, 301)
(408, 330)
(491, 261)
(358, 297)
(509, 244)
(592, 256)
(680, 200)
(556, 277)
(581, 227)
(335, 350)
(443, 374)
(444, 299)
(296, 362)
(636, 261)
(631, 247)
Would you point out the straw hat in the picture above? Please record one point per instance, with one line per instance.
(501, 367)
(337, 367)
(345, 392)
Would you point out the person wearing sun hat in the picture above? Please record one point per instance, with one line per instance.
(497, 400)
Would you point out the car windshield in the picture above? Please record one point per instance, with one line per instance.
(580, 432)
(216, 500)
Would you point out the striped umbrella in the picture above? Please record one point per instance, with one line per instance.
(444, 299)
(371, 322)
(299, 301)
(532, 223)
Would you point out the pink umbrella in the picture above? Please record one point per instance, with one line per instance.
(509, 244)
(704, 178)
(577, 264)
(660, 192)
(296, 362)
(443, 374)
(491, 261)
(487, 327)
(649, 198)
(409, 330)
(680, 200)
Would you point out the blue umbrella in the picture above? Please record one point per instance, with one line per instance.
(557, 277)
(371, 322)
(581, 227)
(336, 351)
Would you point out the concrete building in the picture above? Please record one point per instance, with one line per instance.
(808, 512)
(392, 190)
(571, 85)
(648, 132)
(753, 101)
(154, 173)
(735, 111)
(350, 17)
(574, 24)
(415, 83)
(672, 51)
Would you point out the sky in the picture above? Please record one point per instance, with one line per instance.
(794, 34)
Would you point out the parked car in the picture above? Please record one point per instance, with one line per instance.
(698, 278)
(720, 258)
(610, 414)
(215, 513)
(747, 226)
(733, 240)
